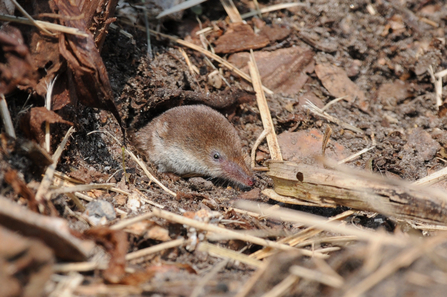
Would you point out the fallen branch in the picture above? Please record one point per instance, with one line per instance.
(358, 190)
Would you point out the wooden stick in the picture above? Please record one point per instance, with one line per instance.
(272, 8)
(79, 188)
(272, 141)
(23, 11)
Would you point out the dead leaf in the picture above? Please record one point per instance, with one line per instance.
(33, 151)
(239, 37)
(144, 276)
(158, 233)
(390, 94)
(275, 32)
(32, 123)
(20, 188)
(251, 195)
(87, 73)
(16, 67)
(283, 70)
(337, 82)
(304, 146)
(116, 244)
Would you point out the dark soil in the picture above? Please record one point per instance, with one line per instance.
(386, 54)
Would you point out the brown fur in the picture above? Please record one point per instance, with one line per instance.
(185, 140)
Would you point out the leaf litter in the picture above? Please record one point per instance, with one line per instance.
(375, 55)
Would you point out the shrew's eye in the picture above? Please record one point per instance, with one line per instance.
(216, 156)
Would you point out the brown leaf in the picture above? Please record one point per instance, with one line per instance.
(62, 93)
(251, 195)
(31, 124)
(116, 244)
(140, 277)
(442, 112)
(239, 37)
(46, 56)
(16, 68)
(275, 33)
(337, 82)
(158, 233)
(283, 70)
(390, 94)
(310, 146)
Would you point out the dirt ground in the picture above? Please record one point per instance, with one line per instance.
(377, 53)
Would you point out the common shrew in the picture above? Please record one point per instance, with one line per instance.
(195, 140)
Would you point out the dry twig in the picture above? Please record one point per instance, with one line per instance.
(221, 252)
(231, 10)
(320, 223)
(267, 122)
(43, 191)
(207, 227)
(272, 8)
(318, 276)
(155, 249)
(314, 109)
(404, 259)
(141, 163)
(50, 26)
(282, 288)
